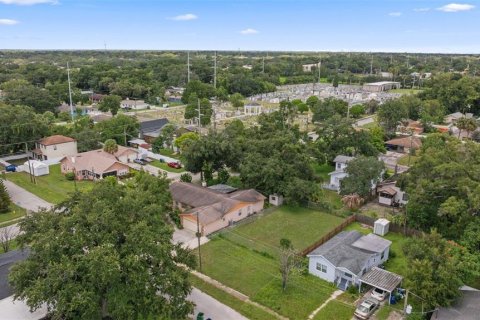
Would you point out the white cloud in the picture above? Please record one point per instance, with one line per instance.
(28, 2)
(456, 7)
(249, 31)
(7, 22)
(421, 9)
(185, 17)
(395, 14)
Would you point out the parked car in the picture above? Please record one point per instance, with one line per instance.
(11, 168)
(366, 309)
(379, 294)
(140, 161)
(175, 165)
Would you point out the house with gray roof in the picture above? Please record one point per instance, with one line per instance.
(347, 256)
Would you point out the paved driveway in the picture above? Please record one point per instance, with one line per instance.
(25, 199)
(212, 308)
(187, 238)
(390, 159)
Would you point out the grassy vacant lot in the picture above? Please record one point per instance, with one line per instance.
(397, 262)
(53, 187)
(248, 310)
(14, 213)
(164, 166)
(168, 153)
(246, 259)
(406, 91)
(336, 310)
(300, 225)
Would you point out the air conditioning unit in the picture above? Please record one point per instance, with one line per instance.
(381, 227)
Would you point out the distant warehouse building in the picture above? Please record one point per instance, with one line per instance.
(381, 86)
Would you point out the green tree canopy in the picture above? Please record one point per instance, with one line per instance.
(438, 268)
(4, 198)
(362, 172)
(105, 254)
(110, 103)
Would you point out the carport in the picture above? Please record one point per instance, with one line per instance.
(381, 279)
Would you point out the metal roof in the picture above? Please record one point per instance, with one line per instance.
(372, 243)
(343, 159)
(382, 279)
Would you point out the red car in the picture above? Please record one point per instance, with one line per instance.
(175, 165)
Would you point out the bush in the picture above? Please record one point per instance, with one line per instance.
(223, 175)
(186, 177)
(392, 254)
(234, 182)
(353, 290)
(70, 176)
(176, 219)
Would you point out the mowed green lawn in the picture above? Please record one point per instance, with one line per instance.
(53, 187)
(300, 225)
(164, 166)
(14, 213)
(246, 259)
(336, 310)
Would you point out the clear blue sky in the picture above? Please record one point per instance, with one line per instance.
(313, 25)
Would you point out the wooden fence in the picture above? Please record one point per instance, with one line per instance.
(361, 219)
(329, 235)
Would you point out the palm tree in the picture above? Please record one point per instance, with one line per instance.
(352, 201)
(110, 146)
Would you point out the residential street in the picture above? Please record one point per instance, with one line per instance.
(212, 308)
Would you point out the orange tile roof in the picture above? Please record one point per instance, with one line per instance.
(56, 139)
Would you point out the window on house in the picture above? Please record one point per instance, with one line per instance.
(54, 147)
(321, 267)
(347, 275)
(405, 197)
(339, 165)
(274, 198)
(383, 255)
(239, 213)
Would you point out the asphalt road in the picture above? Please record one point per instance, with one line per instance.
(212, 308)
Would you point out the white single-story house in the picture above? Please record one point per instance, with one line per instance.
(134, 104)
(339, 173)
(391, 195)
(347, 256)
(252, 109)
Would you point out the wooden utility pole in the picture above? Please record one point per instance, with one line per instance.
(188, 66)
(198, 238)
(215, 70)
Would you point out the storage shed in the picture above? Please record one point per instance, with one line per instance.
(381, 227)
(36, 167)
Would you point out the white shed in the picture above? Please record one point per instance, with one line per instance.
(275, 199)
(36, 167)
(381, 227)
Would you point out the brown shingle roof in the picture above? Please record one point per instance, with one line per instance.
(211, 205)
(406, 142)
(97, 161)
(56, 139)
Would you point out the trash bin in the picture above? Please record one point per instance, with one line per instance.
(200, 316)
